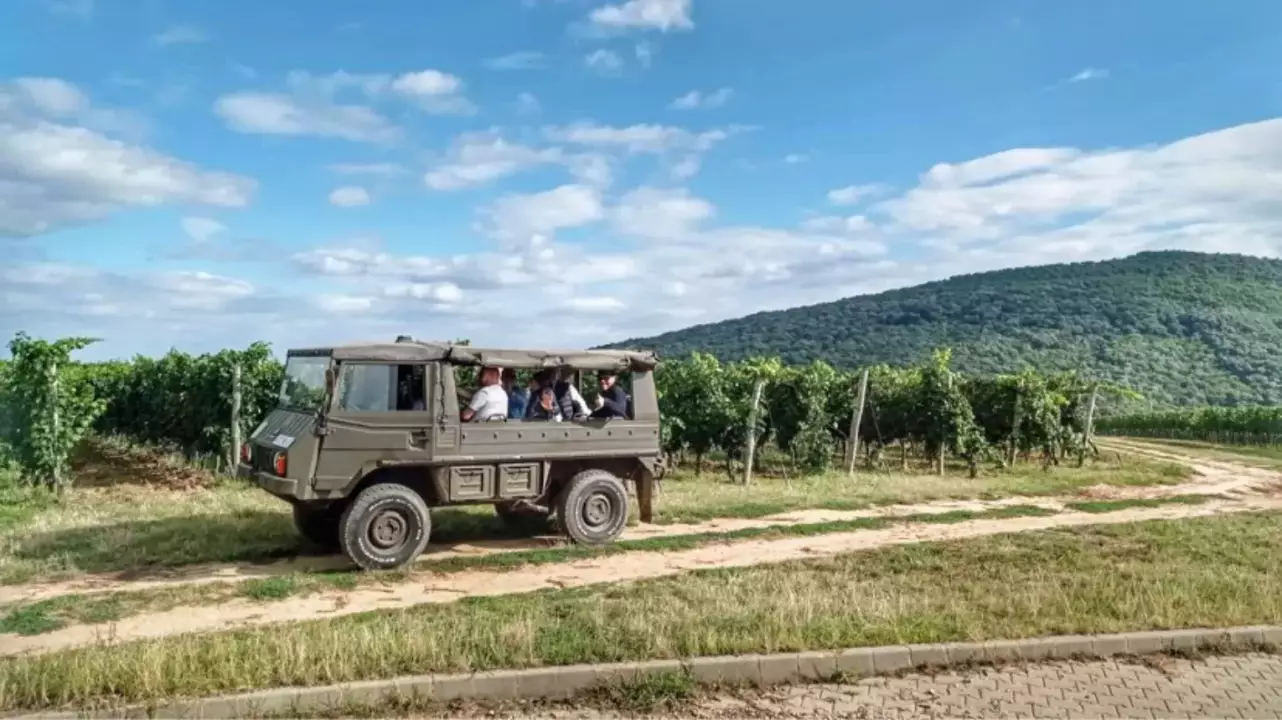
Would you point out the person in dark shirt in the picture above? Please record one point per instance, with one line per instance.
(517, 397)
(613, 401)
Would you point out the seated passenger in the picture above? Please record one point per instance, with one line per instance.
(489, 401)
(517, 397)
(612, 403)
(571, 402)
(544, 406)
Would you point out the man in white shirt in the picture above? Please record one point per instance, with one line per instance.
(489, 400)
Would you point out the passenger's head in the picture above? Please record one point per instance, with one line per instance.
(489, 376)
(606, 380)
(509, 377)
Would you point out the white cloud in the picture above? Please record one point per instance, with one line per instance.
(645, 54)
(686, 168)
(636, 138)
(426, 83)
(480, 158)
(795, 159)
(312, 106)
(201, 229)
(595, 305)
(853, 194)
(523, 60)
(658, 213)
(443, 293)
(54, 174)
(1210, 191)
(697, 99)
(343, 304)
(278, 114)
(349, 196)
(179, 35)
(518, 217)
(527, 104)
(603, 62)
(662, 15)
(52, 96)
(433, 91)
(1089, 74)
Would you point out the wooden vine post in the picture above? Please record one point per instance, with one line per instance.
(1089, 429)
(855, 419)
(56, 419)
(758, 387)
(1017, 419)
(235, 418)
(943, 437)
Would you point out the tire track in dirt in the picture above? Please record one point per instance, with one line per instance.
(1213, 478)
(1217, 477)
(624, 567)
(99, 583)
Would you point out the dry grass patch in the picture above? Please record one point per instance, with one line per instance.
(1153, 575)
(1268, 457)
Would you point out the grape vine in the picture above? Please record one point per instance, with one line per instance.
(182, 401)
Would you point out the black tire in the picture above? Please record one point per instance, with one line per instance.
(319, 524)
(523, 520)
(592, 508)
(385, 527)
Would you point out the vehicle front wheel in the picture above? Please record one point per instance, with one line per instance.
(592, 509)
(385, 527)
(318, 524)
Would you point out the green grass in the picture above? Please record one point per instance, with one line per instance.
(1209, 572)
(146, 529)
(77, 608)
(1265, 456)
(1106, 506)
(686, 498)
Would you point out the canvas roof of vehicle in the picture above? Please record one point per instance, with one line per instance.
(417, 351)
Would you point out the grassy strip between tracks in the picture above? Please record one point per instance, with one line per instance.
(48, 615)
(1215, 571)
(124, 527)
(1268, 457)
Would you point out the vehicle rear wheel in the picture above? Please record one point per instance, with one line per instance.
(318, 524)
(385, 527)
(592, 509)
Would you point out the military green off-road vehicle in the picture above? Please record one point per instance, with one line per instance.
(366, 438)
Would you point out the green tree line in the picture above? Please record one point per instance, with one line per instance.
(49, 401)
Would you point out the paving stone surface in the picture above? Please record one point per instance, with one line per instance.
(1240, 686)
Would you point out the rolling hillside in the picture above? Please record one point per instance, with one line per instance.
(1181, 327)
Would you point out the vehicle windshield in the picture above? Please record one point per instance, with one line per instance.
(304, 385)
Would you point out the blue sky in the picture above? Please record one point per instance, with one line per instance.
(201, 174)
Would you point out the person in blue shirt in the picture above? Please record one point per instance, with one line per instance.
(517, 397)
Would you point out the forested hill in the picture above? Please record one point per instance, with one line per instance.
(1180, 327)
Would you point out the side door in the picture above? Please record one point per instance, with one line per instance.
(374, 418)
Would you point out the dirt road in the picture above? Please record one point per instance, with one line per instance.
(1242, 490)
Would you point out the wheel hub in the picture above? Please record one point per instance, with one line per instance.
(388, 529)
(596, 510)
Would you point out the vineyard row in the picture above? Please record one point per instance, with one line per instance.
(49, 401)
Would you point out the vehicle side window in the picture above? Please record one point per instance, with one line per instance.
(367, 387)
(411, 387)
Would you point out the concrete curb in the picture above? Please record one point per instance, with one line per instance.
(760, 670)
